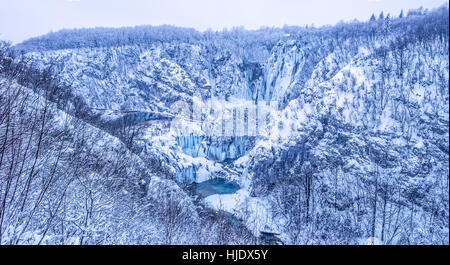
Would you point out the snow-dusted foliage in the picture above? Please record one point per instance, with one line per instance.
(358, 141)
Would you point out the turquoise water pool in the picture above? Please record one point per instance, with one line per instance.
(215, 186)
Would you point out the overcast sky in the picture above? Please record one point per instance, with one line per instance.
(22, 19)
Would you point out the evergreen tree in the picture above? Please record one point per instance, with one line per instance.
(387, 24)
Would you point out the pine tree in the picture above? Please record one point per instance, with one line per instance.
(387, 24)
(372, 18)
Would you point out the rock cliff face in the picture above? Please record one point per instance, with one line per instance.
(358, 139)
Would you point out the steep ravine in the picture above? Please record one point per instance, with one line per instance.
(359, 117)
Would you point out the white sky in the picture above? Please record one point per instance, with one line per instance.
(22, 19)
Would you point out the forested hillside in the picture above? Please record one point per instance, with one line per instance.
(358, 142)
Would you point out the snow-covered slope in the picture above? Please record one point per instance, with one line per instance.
(358, 137)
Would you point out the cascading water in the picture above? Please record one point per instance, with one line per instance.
(218, 149)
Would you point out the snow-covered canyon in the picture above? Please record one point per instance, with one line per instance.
(355, 145)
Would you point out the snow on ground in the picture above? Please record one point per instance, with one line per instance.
(254, 211)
